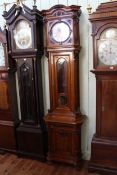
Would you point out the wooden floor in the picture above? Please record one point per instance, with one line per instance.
(12, 165)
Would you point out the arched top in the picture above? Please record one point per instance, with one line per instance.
(98, 32)
(61, 60)
(16, 12)
(22, 34)
(109, 33)
(60, 10)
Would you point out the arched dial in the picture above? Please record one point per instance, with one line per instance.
(22, 35)
(60, 31)
(107, 47)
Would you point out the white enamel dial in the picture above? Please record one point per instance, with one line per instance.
(2, 56)
(60, 31)
(22, 35)
(107, 48)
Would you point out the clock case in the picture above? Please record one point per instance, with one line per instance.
(104, 142)
(31, 134)
(64, 119)
(8, 105)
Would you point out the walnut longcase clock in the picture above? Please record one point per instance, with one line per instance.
(25, 35)
(7, 110)
(104, 143)
(64, 119)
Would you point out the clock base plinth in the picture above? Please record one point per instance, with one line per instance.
(7, 136)
(103, 156)
(31, 142)
(64, 137)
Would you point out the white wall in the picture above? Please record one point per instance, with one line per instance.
(87, 79)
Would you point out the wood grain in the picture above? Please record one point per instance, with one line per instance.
(10, 164)
(3, 96)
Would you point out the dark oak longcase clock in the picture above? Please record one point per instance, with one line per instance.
(7, 110)
(104, 142)
(64, 119)
(25, 39)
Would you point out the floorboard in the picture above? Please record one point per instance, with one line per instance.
(10, 164)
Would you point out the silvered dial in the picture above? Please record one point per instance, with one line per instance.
(107, 47)
(22, 35)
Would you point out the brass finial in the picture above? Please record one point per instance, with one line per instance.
(18, 2)
(89, 8)
(5, 5)
(34, 2)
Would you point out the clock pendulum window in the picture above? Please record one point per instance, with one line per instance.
(64, 119)
(104, 142)
(25, 39)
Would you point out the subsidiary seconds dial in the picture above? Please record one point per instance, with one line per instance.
(107, 47)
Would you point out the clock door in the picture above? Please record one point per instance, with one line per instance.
(26, 79)
(109, 109)
(61, 86)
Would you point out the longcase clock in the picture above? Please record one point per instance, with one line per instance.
(104, 142)
(64, 119)
(25, 36)
(7, 110)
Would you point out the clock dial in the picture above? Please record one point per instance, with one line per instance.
(2, 56)
(22, 35)
(107, 47)
(60, 32)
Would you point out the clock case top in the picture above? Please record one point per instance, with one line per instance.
(104, 18)
(35, 21)
(65, 14)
